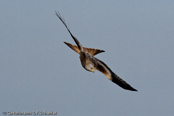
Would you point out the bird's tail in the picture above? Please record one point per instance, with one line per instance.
(92, 51)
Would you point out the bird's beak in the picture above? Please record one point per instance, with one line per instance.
(92, 70)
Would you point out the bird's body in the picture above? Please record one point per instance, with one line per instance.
(90, 63)
(85, 61)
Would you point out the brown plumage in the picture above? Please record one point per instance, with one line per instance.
(92, 51)
(90, 63)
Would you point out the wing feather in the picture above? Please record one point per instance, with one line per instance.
(74, 38)
(103, 68)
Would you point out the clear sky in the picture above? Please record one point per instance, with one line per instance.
(38, 72)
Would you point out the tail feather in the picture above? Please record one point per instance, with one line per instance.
(92, 51)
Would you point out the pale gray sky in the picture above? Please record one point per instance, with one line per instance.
(38, 72)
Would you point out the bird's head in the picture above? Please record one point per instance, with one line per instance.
(90, 67)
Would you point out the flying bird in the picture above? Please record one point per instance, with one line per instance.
(90, 63)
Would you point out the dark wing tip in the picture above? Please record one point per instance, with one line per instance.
(57, 14)
(125, 85)
(116, 79)
(131, 89)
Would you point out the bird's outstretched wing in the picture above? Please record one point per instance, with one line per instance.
(102, 67)
(75, 39)
(92, 51)
(99, 65)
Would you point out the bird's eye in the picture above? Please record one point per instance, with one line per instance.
(92, 69)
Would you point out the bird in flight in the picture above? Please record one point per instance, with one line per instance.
(90, 63)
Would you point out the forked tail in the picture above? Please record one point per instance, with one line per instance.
(92, 51)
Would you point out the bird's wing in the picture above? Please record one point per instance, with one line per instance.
(75, 39)
(103, 68)
(92, 51)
